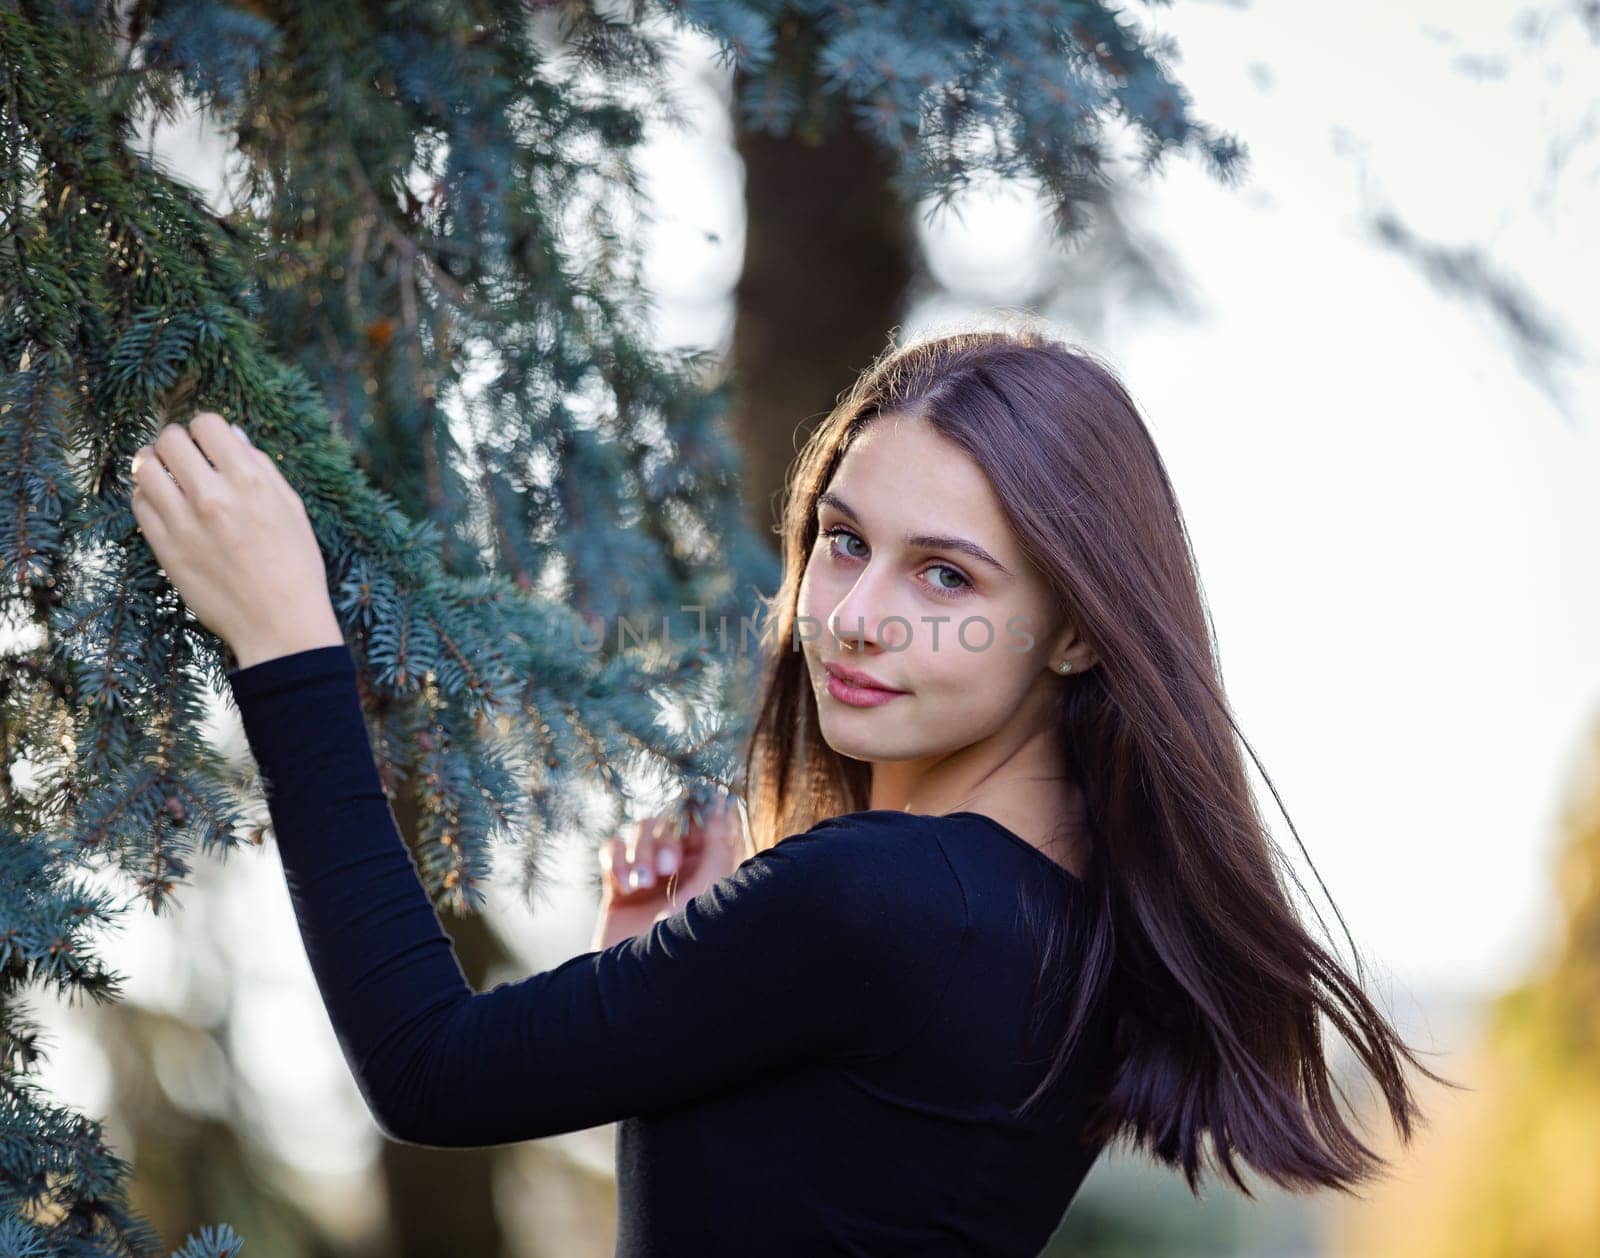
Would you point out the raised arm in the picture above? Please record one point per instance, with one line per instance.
(835, 941)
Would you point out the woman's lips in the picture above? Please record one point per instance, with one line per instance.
(856, 694)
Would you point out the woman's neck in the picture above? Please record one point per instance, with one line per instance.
(1025, 789)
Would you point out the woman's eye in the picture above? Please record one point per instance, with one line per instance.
(838, 536)
(838, 532)
(961, 580)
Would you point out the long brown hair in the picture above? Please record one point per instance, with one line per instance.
(1197, 982)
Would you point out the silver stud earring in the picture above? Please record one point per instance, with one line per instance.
(1065, 666)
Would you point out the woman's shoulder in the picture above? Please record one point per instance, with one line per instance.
(888, 824)
(880, 859)
(880, 837)
(953, 836)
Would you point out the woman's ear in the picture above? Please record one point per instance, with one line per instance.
(1069, 649)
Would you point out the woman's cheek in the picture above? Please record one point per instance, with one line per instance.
(810, 624)
(819, 595)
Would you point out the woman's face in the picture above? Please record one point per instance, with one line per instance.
(890, 591)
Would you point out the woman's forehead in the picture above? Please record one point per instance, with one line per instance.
(908, 478)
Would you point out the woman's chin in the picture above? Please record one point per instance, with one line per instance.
(851, 735)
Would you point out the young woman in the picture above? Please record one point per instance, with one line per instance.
(1009, 896)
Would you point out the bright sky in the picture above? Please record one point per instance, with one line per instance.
(1397, 531)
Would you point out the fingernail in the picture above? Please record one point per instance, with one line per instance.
(640, 876)
(666, 861)
(240, 431)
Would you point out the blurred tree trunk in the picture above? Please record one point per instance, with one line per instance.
(829, 256)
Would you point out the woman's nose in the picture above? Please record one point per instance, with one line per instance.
(857, 625)
(868, 615)
(848, 633)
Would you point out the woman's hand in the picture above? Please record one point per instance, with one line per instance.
(234, 539)
(655, 871)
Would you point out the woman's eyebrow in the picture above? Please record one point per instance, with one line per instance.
(923, 541)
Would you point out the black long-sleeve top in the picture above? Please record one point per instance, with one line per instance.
(815, 1055)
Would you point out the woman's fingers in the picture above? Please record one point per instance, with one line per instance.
(612, 858)
(156, 487)
(660, 852)
(242, 556)
(641, 872)
(196, 477)
(616, 866)
(149, 519)
(222, 445)
(650, 853)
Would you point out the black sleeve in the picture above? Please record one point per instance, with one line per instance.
(833, 941)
